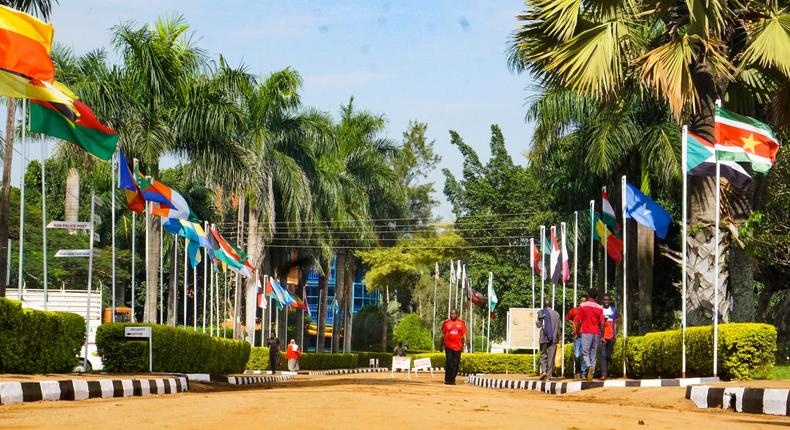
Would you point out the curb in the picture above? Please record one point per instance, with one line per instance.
(768, 401)
(347, 371)
(237, 380)
(79, 389)
(574, 386)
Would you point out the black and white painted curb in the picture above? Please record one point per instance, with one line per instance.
(347, 371)
(770, 401)
(574, 386)
(238, 380)
(78, 389)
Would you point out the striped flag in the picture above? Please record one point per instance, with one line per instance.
(742, 138)
(134, 196)
(608, 215)
(556, 260)
(701, 161)
(566, 266)
(178, 207)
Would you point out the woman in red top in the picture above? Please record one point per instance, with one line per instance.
(292, 354)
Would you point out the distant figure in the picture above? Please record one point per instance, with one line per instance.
(400, 350)
(292, 354)
(453, 341)
(573, 314)
(274, 352)
(610, 316)
(550, 330)
(590, 324)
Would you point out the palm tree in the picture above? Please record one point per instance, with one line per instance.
(688, 54)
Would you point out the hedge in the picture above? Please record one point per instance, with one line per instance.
(481, 362)
(259, 360)
(38, 342)
(363, 358)
(175, 349)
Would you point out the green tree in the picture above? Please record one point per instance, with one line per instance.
(413, 332)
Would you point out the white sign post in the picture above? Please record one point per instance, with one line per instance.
(422, 364)
(70, 225)
(74, 253)
(143, 332)
(401, 363)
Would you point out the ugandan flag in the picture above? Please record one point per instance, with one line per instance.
(25, 45)
(78, 125)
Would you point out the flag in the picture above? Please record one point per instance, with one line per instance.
(458, 270)
(566, 266)
(436, 271)
(452, 272)
(134, 197)
(742, 138)
(556, 260)
(78, 125)
(462, 284)
(534, 261)
(701, 161)
(492, 298)
(21, 87)
(281, 300)
(146, 186)
(335, 307)
(614, 246)
(469, 291)
(260, 296)
(25, 45)
(645, 211)
(607, 212)
(193, 232)
(176, 207)
(229, 254)
(306, 303)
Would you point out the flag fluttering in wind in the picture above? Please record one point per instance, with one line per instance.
(566, 263)
(134, 197)
(280, 300)
(462, 284)
(230, 255)
(77, 125)
(150, 194)
(306, 304)
(742, 138)
(645, 211)
(177, 207)
(193, 232)
(534, 261)
(25, 44)
(452, 272)
(614, 246)
(261, 297)
(701, 161)
(436, 271)
(556, 258)
(607, 212)
(492, 298)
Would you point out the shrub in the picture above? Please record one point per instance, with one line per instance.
(363, 358)
(259, 360)
(413, 332)
(36, 341)
(482, 362)
(366, 329)
(175, 349)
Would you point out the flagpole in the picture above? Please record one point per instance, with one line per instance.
(147, 302)
(186, 247)
(534, 337)
(625, 274)
(211, 300)
(684, 166)
(716, 273)
(205, 281)
(194, 298)
(225, 304)
(175, 275)
(44, 219)
(592, 241)
(161, 275)
(21, 272)
(490, 289)
(542, 265)
(553, 285)
(562, 347)
(114, 169)
(605, 257)
(134, 225)
(90, 280)
(449, 290)
(575, 266)
(433, 321)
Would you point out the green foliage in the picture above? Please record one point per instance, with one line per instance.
(259, 360)
(36, 341)
(413, 332)
(367, 329)
(777, 372)
(363, 358)
(481, 362)
(175, 350)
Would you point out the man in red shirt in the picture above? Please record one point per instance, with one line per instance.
(589, 323)
(572, 316)
(453, 341)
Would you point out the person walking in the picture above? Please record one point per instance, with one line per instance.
(292, 354)
(550, 329)
(590, 324)
(452, 341)
(577, 340)
(610, 316)
(274, 353)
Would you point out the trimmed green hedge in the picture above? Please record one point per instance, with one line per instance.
(259, 360)
(36, 341)
(175, 350)
(363, 358)
(481, 362)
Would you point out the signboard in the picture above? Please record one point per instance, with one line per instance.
(422, 364)
(73, 253)
(137, 332)
(71, 225)
(522, 332)
(401, 363)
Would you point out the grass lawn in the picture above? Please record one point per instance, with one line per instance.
(781, 371)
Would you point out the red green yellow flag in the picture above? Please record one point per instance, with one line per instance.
(742, 138)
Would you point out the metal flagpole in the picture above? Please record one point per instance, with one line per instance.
(449, 290)
(134, 228)
(684, 251)
(211, 301)
(205, 281)
(44, 219)
(605, 255)
(235, 301)
(542, 264)
(488, 311)
(433, 321)
(716, 273)
(186, 246)
(21, 272)
(175, 275)
(114, 169)
(575, 256)
(8, 262)
(625, 275)
(551, 270)
(90, 280)
(161, 275)
(147, 302)
(592, 240)
(225, 304)
(562, 347)
(534, 339)
(194, 297)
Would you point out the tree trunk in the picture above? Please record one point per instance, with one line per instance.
(254, 245)
(152, 297)
(72, 203)
(4, 205)
(340, 282)
(323, 286)
(349, 282)
(172, 289)
(645, 248)
(385, 318)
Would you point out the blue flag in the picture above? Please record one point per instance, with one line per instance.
(646, 212)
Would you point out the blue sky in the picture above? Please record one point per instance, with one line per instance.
(442, 62)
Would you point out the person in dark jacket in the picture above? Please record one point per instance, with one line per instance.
(550, 330)
(274, 352)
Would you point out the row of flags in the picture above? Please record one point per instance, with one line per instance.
(283, 297)
(458, 277)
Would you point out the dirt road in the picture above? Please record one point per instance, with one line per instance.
(374, 401)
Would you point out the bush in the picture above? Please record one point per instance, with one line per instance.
(259, 360)
(413, 332)
(38, 342)
(482, 362)
(175, 349)
(366, 329)
(363, 358)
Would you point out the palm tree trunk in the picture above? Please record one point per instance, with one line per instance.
(172, 289)
(340, 278)
(72, 203)
(254, 243)
(385, 318)
(644, 256)
(4, 218)
(348, 315)
(152, 297)
(323, 285)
